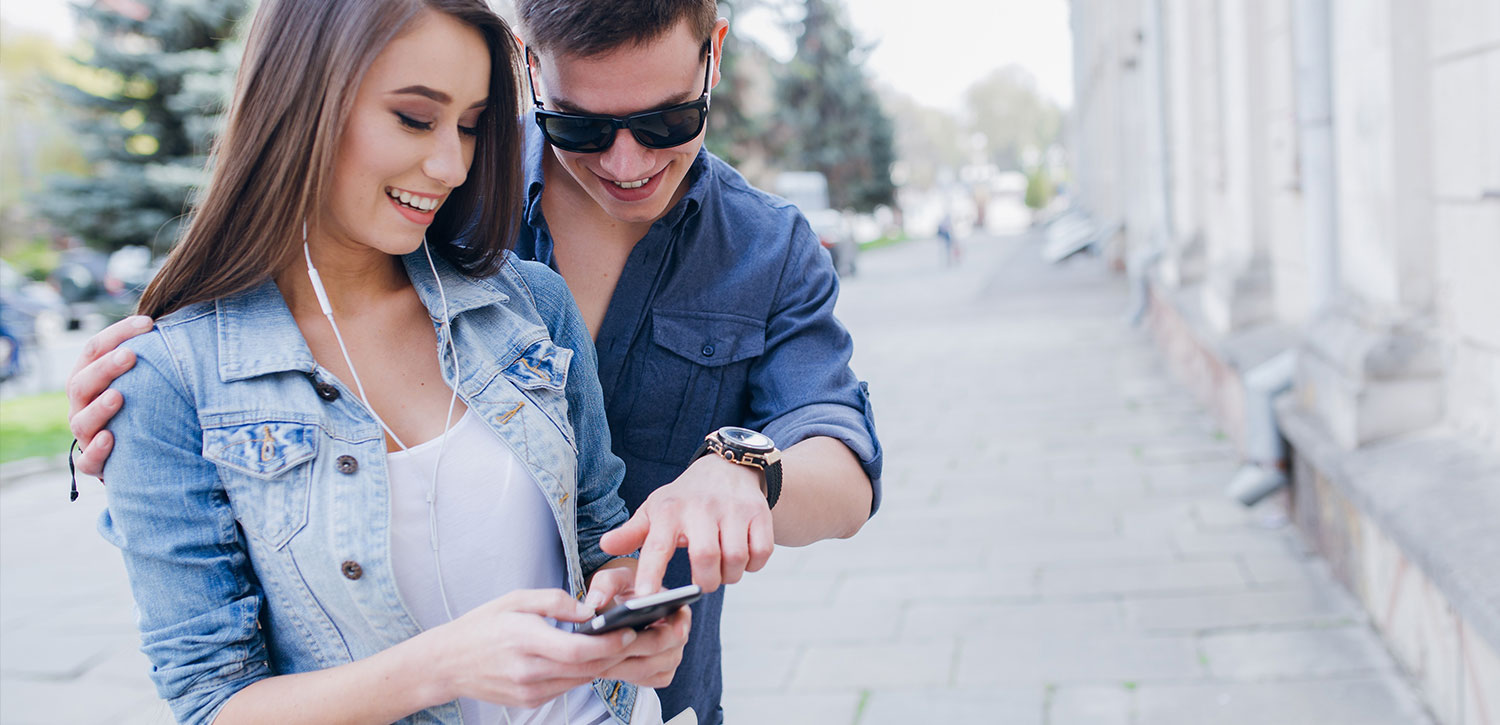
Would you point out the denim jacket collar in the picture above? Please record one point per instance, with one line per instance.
(464, 292)
(259, 336)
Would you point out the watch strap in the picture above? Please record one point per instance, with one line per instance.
(773, 483)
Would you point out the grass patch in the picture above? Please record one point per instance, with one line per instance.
(885, 241)
(34, 425)
(859, 709)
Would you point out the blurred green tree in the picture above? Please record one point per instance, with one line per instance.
(735, 130)
(32, 146)
(146, 95)
(1012, 115)
(830, 119)
(928, 140)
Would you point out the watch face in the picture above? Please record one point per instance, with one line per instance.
(746, 438)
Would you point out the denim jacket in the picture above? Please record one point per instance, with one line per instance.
(248, 493)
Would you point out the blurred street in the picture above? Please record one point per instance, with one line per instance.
(1054, 545)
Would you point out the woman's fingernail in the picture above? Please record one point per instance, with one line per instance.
(140, 322)
(120, 357)
(629, 637)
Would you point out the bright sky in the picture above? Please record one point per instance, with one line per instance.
(935, 53)
(52, 17)
(932, 54)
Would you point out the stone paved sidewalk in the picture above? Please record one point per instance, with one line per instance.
(1054, 546)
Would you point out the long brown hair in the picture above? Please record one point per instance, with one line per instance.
(272, 166)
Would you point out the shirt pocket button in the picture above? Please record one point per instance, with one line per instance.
(346, 464)
(352, 570)
(708, 351)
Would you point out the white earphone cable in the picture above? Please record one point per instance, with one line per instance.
(447, 327)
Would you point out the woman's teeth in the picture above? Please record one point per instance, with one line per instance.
(631, 184)
(420, 203)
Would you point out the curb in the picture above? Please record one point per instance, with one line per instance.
(16, 471)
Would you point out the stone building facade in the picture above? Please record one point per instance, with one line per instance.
(1323, 176)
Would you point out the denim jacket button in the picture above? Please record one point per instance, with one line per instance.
(352, 570)
(327, 392)
(708, 351)
(346, 464)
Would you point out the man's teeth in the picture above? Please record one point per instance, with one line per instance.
(631, 184)
(420, 203)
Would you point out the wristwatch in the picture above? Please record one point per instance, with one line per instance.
(747, 448)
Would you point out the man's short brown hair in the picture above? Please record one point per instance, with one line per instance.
(587, 28)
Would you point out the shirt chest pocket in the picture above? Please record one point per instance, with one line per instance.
(691, 380)
(267, 471)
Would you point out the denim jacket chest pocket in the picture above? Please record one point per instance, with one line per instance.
(541, 374)
(267, 472)
(693, 374)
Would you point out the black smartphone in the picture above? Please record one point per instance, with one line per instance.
(641, 611)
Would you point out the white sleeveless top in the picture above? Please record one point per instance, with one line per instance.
(496, 534)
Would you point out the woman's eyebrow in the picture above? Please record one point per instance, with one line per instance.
(434, 94)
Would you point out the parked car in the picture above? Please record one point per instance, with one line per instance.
(24, 306)
(102, 286)
(809, 191)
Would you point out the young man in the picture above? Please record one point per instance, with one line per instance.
(710, 303)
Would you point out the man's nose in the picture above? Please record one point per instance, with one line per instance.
(626, 159)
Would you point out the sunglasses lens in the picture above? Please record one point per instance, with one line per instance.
(672, 127)
(576, 134)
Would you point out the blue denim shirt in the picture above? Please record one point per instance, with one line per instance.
(248, 492)
(723, 315)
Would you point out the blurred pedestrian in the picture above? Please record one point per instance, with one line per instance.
(950, 244)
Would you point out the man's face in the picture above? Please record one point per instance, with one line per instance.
(665, 72)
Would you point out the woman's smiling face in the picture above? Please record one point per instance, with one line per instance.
(409, 139)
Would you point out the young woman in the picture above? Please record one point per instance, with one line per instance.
(365, 469)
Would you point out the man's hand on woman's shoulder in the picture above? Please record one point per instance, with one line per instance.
(91, 404)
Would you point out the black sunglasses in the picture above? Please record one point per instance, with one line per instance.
(659, 129)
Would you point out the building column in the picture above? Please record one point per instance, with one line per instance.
(1237, 286)
(1370, 365)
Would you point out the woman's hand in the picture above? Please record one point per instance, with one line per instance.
(655, 654)
(653, 658)
(506, 652)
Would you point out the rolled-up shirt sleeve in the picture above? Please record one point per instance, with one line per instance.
(197, 600)
(802, 385)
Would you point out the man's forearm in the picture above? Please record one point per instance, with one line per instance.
(825, 493)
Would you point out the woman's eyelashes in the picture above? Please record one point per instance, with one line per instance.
(416, 124)
(413, 123)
